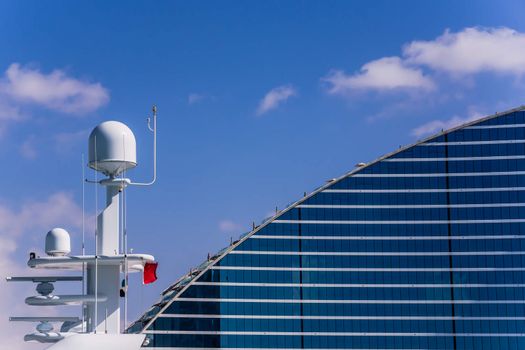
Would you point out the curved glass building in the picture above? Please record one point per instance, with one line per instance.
(421, 249)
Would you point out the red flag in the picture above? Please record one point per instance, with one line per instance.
(150, 272)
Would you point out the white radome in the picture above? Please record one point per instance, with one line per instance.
(58, 242)
(112, 148)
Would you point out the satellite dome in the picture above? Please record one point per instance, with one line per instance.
(112, 148)
(58, 242)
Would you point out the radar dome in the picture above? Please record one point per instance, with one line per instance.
(58, 242)
(112, 148)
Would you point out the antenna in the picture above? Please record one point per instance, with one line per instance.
(96, 239)
(83, 242)
(112, 151)
(154, 130)
(126, 272)
(114, 161)
(125, 246)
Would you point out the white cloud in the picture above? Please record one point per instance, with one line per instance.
(64, 141)
(437, 125)
(387, 73)
(471, 50)
(229, 226)
(21, 87)
(9, 113)
(58, 208)
(18, 227)
(28, 148)
(275, 97)
(195, 98)
(55, 90)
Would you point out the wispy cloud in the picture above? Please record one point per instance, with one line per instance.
(229, 226)
(64, 141)
(275, 97)
(59, 207)
(471, 50)
(437, 125)
(28, 148)
(9, 113)
(194, 98)
(388, 73)
(55, 90)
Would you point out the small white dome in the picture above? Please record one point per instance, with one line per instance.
(112, 148)
(58, 242)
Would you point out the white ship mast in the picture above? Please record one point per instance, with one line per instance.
(112, 151)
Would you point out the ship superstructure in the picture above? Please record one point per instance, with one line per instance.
(112, 151)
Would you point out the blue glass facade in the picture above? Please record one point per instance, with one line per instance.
(421, 249)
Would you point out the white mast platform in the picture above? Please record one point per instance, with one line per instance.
(112, 151)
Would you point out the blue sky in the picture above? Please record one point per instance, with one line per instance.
(258, 103)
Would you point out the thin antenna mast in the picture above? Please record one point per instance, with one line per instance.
(125, 243)
(124, 240)
(96, 239)
(154, 130)
(83, 242)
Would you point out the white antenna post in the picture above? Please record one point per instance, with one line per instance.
(154, 130)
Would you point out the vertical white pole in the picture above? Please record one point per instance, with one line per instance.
(109, 276)
(96, 243)
(83, 243)
(105, 279)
